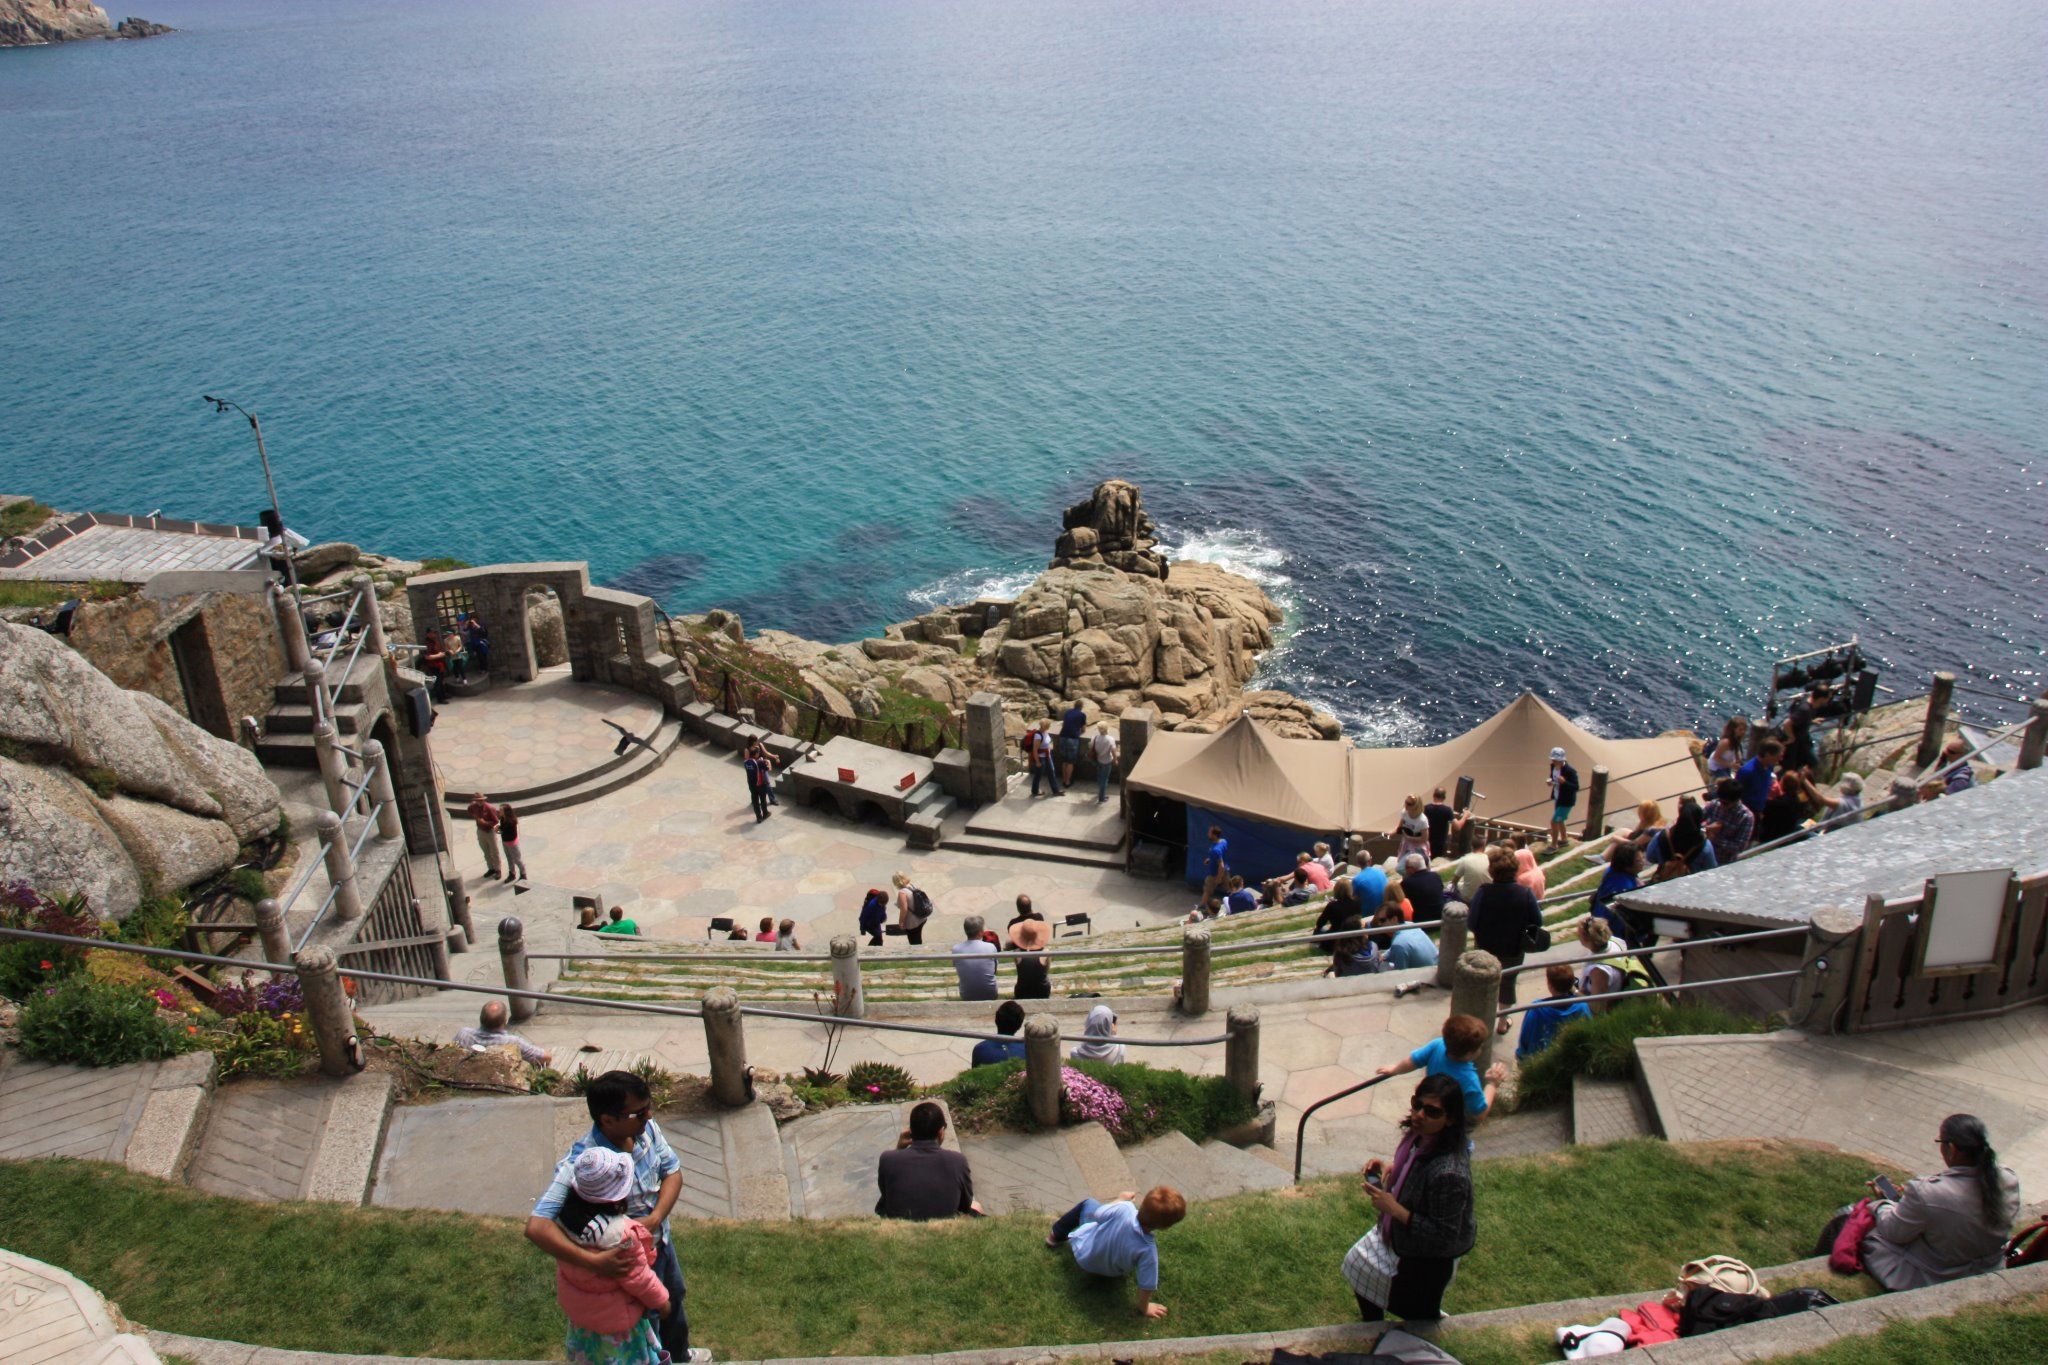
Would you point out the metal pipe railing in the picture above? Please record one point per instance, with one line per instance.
(1301, 1128)
(1656, 990)
(1678, 946)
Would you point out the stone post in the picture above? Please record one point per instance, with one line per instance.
(1241, 1051)
(277, 944)
(1194, 969)
(438, 949)
(328, 1010)
(726, 1040)
(2034, 739)
(1450, 942)
(1475, 990)
(458, 910)
(383, 796)
(988, 774)
(298, 651)
(512, 953)
(373, 620)
(333, 768)
(315, 674)
(1042, 1069)
(1133, 733)
(1935, 727)
(847, 1001)
(1829, 968)
(1596, 803)
(341, 871)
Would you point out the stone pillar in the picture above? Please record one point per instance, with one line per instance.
(373, 620)
(333, 768)
(726, 1040)
(1133, 733)
(315, 674)
(2034, 739)
(1829, 969)
(383, 796)
(1450, 942)
(1042, 1069)
(1241, 1051)
(847, 1001)
(988, 776)
(458, 910)
(1596, 803)
(1475, 990)
(512, 953)
(341, 870)
(1194, 969)
(1935, 726)
(277, 944)
(298, 651)
(328, 1011)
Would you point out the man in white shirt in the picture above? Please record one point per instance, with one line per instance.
(1102, 748)
(974, 962)
(490, 1032)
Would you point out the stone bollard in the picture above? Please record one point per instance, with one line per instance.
(1935, 727)
(1450, 943)
(1829, 968)
(1475, 990)
(315, 674)
(1194, 969)
(1596, 803)
(328, 1011)
(298, 652)
(458, 911)
(1241, 1050)
(847, 1001)
(333, 767)
(512, 952)
(277, 944)
(341, 870)
(1042, 1069)
(438, 949)
(725, 1039)
(372, 619)
(2034, 739)
(383, 796)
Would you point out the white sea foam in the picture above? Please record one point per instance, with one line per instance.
(1243, 552)
(956, 589)
(1593, 725)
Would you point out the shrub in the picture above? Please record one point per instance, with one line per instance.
(19, 518)
(255, 1044)
(127, 969)
(248, 884)
(443, 564)
(25, 966)
(95, 1023)
(105, 782)
(879, 1083)
(1603, 1047)
(158, 922)
(1157, 1100)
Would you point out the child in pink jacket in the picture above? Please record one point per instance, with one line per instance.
(609, 1322)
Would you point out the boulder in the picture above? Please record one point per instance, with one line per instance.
(52, 837)
(51, 21)
(895, 650)
(169, 848)
(317, 561)
(248, 799)
(934, 684)
(544, 624)
(132, 27)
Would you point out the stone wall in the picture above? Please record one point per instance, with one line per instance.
(227, 631)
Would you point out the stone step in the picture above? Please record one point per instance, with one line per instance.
(667, 736)
(636, 764)
(1045, 1173)
(314, 1138)
(828, 1158)
(1011, 846)
(297, 718)
(292, 690)
(1174, 1159)
(145, 1115)
(1253, 1168)
(1608, 1111)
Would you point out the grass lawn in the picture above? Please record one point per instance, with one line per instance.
(316, 1276)
(1989, 1334)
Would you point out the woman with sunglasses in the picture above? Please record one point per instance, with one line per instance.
(1424, 1198)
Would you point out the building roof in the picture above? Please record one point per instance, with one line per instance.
(1246, 770)
(2003, 823)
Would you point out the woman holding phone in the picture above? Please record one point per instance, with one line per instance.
(1424, 1198)
(1947, 1225)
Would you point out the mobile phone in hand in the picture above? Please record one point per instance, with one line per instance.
(1885, 1189)
(1374, 1179)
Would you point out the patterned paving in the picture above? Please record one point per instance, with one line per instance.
(133, 555)
(47, 1317)
(707, 1186)
(1607, 1111)
(534, 733)
(260, 1141)
(70, 1111)
(831, 1156)
(1017, 1172)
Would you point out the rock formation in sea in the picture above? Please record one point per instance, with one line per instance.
(25, 23)
(111, 792)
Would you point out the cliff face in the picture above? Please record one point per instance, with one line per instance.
(51, 21)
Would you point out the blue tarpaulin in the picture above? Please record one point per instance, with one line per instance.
(1257, 850)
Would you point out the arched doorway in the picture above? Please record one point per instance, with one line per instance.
(543, 629)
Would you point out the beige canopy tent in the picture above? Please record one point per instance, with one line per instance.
(1321, 787)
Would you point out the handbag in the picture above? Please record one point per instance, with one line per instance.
(1370, 1266)
(1535, 938)
(1724, 1273)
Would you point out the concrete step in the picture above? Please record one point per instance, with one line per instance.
(292, 690)
(1253, 1168)
(297, 718)
(588, 786)
(314, 1138)
(287, 751)
(1011, 846)
(828, 1159)
(145, 1115)
(1608, 1111)
(1045, 1173)
(1174, 1159)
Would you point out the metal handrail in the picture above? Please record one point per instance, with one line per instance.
(1538, 805)
(326, 597)
(326, 656)
(1677, 946)
(1657, 990)
(1301, 1128)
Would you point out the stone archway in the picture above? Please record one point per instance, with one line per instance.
(543, 629)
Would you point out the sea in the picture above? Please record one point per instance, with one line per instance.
(1602, 348)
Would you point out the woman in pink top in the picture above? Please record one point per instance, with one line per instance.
(1528, 874)
(767, 933)
(609, 1317)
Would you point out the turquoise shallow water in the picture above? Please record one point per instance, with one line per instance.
(1604, 349)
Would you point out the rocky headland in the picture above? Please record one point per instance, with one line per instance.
(30, 23)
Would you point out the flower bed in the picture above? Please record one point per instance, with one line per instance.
(1133, 1101)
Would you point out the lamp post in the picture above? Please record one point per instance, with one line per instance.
(291, 569)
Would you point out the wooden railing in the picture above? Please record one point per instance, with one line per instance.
(1894, 987)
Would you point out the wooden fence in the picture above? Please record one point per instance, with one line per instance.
(1894, 987)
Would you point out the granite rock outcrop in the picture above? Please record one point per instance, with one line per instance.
(28, 23)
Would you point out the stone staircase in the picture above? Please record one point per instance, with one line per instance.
(1061, 829)
(287, 739)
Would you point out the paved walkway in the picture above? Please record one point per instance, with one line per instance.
(534, 734)
(48, 1317)
(130, 554)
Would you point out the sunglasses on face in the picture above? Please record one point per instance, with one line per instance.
(1428, 1110)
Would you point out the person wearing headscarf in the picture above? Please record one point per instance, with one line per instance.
(1947, 1225)
(1100, 1044)
(1528, 874)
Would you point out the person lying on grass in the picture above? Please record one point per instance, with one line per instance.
(1455, 1055)
(1117, 1238)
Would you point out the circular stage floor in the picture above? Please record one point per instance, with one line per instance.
(549, 731)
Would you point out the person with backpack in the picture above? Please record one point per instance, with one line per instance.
(758, 778)
(1038, 753)
(913, 909)
(1611, 974)
(874, 915)
(1564, 794)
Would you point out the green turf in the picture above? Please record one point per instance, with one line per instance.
(317, 1276)
(1989, 1334)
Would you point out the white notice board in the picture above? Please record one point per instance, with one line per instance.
(1962, 920)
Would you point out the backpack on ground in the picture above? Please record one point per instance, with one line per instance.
(1707, 1309)
(921, 906)
(2029, 1246)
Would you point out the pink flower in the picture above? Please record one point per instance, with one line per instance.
(46, 964)
(874, 1090)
